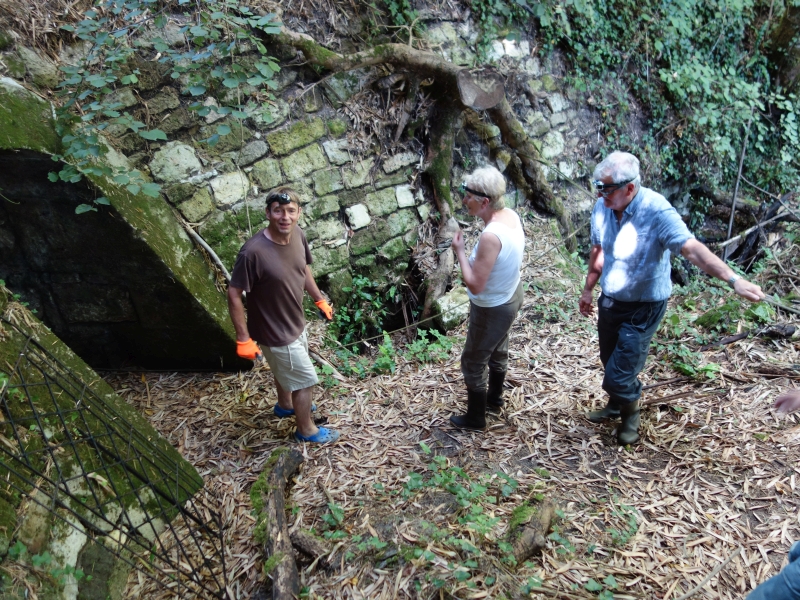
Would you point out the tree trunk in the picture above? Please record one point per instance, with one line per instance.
(280, 562)
(785, 49)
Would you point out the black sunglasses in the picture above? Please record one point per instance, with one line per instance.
(279, 198)
(465, 190)
(605, 189)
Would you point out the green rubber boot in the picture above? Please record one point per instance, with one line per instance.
(628, 432)
(494, 395)
(611, 411)
(476, 412)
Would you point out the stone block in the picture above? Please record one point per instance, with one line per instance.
(502, 160)
(321, 206)
(337, 127)
(337, 151)
(382, 202)
(212, 116)
(549, 83)
(250, 153)
(398, 161)
(357, 174)
(170, 34)
(452, 309)
(536, 124)
(130, 143)
(176, 120)
(351, 197)
(367, 239)
(266, 173)
(173, 162)
(557, 102)
(357, 216)
(557, 119)
(43, 71)
(325, 230)
(304, 162)
(327, 181)
(234, 140)
(122, 98)
(327, 259)
(197, 207)
(402, 221)
(424, 211)
(392, 180)
(230, 188)
(179, 192)
(411, 237)
(268, 115)
(404, 195)
(296, 136)
(166, 99)
(336, 282)
(312, 101)
(552, 145)
(341, 86)
(393, 249)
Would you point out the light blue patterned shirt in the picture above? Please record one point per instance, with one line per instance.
(637, 248)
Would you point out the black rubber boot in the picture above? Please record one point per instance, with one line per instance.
(476, 412)
(494, 395)
(628, 432)
(611, 411)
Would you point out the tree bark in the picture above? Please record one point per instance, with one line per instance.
(277, 545)
(530, 537)
(439, 169)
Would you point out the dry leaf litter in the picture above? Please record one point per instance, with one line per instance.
(715, 475)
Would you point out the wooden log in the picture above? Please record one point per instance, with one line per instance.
(312, 546)
(530, 524)
(271, 532)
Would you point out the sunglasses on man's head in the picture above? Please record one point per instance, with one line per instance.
(465, 190)
(279, 198)
(606, 189)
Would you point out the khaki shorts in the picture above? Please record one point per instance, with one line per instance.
(291, 366)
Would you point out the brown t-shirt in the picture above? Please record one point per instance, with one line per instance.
(274, 278)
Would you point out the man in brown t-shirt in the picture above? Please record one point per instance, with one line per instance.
(273, 268)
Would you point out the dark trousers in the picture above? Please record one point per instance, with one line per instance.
(785, 585)
(487, 340)
(625, 330)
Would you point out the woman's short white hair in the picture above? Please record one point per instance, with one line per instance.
(620, 166)
(489, 181)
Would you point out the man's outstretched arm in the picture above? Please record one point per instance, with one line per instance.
(705, 260)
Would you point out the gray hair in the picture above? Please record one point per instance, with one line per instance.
(491, 182)
(620, 166)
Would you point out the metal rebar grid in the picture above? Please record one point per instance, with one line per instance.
(67, 449)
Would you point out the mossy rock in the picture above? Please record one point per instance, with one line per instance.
(722, 318)
(225, 232)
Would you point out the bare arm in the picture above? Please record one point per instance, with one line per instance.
(311, 286)
(476, 275)
(701, 257)
(236, 310)
(596, 259)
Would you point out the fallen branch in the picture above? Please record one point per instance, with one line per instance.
(271, 531)
(529, 535)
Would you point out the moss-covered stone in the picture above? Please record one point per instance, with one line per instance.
(366, 240)
(325, 230)
(337, 127)
(6, 41)
(402, 221)
(351, 197)
(234, 140)
(336, 282)
(393, 249)
(549, 83)
(392, 180)
(382, 202)
(26, 122)
(357, 174)
(296, 136)
(304, 162)
(43, 71)
(179, 119)
(320, 207)
(267, 174)
(180, 192)
(8, 524)
(225, 232)
(15, 66)
(327, 181)
(197, 207)
(166, 99)
(327, 260)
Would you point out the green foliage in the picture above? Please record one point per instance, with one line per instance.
(362, 315)
(223, 53)
(700, 69)
(630, 525)
(425, 350)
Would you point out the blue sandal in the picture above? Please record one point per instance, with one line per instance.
(323, 436)
(282, 413)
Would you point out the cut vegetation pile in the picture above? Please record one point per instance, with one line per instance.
(405, 504)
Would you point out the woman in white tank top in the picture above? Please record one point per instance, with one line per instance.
(492, 277)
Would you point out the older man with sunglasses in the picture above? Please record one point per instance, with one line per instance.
(634, 229)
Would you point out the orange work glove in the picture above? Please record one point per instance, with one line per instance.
(248, 349)
(325, 309)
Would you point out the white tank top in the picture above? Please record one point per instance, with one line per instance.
(504, 277)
